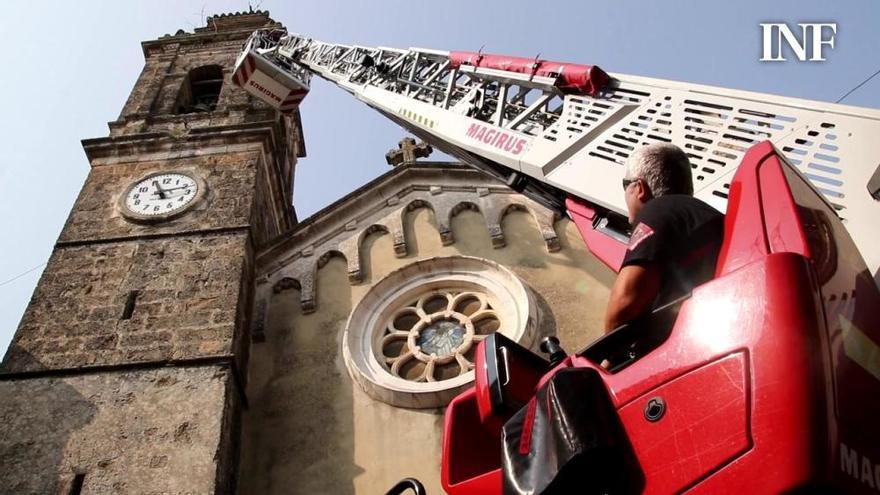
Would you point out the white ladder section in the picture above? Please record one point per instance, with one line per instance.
(578, 143)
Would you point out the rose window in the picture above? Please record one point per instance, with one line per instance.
(411, 340)
(435, 337)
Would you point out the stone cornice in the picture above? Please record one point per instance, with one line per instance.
(192, 122)
(166, 145)
(216, 31)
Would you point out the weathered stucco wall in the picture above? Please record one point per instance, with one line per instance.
(311, 430)
(138, 432)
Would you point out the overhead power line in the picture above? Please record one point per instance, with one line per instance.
(858, 86)
(22, 274)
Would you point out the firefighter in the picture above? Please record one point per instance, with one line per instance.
(675, 238)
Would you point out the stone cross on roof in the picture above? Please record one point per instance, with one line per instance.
(408, 151)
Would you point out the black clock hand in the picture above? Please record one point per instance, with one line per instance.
(185, 190)
(175, 192)
(159, 189)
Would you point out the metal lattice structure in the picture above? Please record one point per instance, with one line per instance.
(526, 128)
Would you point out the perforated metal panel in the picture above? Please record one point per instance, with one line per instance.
(834, 146)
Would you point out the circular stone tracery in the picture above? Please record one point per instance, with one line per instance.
(411, 341)
(438, 345)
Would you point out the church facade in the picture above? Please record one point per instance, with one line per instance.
(190, 335)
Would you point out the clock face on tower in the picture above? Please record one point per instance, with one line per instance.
(161, 196)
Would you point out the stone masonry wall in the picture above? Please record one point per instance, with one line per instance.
(126, 372)
(186, 308)
(229, 180)
(150, 105)
(136, 432)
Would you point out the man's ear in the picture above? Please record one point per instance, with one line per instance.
(643, 192)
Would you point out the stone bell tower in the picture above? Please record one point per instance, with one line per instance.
(126, 373)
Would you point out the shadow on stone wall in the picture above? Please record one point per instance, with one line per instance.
(298, 435)
(415, 243)
(38, 417)
(571, 242)
(368, 258)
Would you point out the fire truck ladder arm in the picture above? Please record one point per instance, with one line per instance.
(553, 129)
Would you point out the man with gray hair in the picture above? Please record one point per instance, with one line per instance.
(675, 238)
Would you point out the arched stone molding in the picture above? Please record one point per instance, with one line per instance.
(394, 223)
(450, 211)
(302, 278)
(410, 207)
(545, 220)
(326, 255)
(286, 283)
(351, 250)
(382, 207)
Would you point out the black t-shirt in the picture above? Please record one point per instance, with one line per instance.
(682, 236)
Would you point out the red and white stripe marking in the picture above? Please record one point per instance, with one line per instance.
(244, 71)
(292, 101)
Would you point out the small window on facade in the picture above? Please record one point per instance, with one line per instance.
(200, 90)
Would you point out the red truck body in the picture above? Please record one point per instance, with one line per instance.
(770, 373)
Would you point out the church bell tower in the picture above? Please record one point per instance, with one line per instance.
(126, 373)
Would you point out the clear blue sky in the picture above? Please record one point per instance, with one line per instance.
(69, 66)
